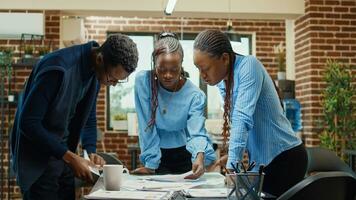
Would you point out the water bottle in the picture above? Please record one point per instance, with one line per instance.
(293, 113)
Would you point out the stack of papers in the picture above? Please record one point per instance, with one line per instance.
(130, 195)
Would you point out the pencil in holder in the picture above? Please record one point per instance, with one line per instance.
(244, 186)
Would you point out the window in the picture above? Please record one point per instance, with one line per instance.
(121, 98)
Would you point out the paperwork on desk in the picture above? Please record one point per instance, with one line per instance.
(158, 187)
(130, 195)
(161, 183)
(172, 178)
(172, 182)
(206, 193)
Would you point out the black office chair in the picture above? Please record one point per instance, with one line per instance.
(110, 158)
(324, 185)
(324, 160)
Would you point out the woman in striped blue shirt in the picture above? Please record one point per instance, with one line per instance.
(253, 110)
(170, 110)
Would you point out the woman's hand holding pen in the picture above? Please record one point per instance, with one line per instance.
(197, 167)
(143, 171)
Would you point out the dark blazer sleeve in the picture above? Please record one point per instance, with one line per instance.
(37, 103)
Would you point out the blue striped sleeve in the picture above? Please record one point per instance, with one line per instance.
(249, 81)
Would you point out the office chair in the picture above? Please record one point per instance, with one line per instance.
(324, 160)
(324, 185)
(110, 158)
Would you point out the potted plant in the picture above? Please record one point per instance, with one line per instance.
(119, 121)
(338, 122)
(43, 50)
(279, 51)
(5, 56)
(5, 50)
(6, 63)
(28, 51)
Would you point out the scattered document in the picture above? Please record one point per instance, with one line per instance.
(147, 185)
(172, 178)
(130, 195)
(206, 193)
(94, 171)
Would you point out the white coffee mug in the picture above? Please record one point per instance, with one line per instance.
(113, 176)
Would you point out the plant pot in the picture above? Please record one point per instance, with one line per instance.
(119, 124)
(281, 75)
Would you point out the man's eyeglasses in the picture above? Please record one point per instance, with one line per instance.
(112, 79)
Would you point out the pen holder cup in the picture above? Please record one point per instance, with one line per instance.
(244, 186)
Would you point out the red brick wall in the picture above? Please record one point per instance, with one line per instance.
(320, 33)
(52, 23)
(268, 33)
(327, 30)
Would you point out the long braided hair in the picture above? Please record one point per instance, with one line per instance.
(215, 43)
(167, 43)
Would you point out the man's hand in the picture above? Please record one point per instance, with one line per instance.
(197, 167)
(143, 171)
(97, 160)
(79, 165)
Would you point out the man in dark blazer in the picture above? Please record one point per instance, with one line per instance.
(57, 108)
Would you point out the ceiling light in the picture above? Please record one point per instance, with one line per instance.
(170, 7)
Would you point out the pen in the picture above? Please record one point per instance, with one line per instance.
(233, 166)
(260, 171)
(252, 165)
(243, 167)
(237, 167)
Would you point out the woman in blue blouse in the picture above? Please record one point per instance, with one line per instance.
(170, 111)
(253, 110)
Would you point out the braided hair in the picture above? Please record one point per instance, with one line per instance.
(167, 43)
(215, 44)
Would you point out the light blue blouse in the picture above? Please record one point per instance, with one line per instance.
(182, 124)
